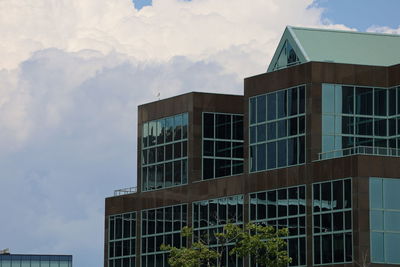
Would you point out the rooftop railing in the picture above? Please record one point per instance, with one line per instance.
(125, 191)
(360, 150)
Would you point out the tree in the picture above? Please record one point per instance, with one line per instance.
(264, 244)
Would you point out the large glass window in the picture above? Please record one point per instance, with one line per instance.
(210, 217)
(359, 120)
(222, 145)
(284, 208)
(122, 240)
(161, 226)
(385, 220)
(332, 222)
(164, 152)
(277, 132)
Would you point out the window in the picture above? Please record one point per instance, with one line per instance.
(210, 216)
(277, 130)
(284, 208)
(359, 120)
(161, 226)
(222, 145)
(287, 57)
(164, 152)
(332, 222)
(122, 240)
(384, 220)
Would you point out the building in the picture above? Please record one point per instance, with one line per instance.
(312, 145)
(29, 260)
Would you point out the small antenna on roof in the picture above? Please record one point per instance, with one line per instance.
(158, 95)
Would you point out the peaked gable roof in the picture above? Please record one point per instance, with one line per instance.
(338, 46)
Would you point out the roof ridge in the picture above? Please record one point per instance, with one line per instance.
(343, 31)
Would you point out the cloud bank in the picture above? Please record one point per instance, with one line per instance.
(71, 76)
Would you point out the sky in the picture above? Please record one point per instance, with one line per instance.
(72, 73)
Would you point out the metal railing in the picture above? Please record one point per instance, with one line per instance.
(360, 150)
(125, 191)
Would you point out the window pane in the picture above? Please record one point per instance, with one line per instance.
(261, 108)
(253, 158)
(292, 151)
(363, 126)
(282, 128)
(377, 247)
(208, 148)
(380, 100)
(364, 101)
(282, 103)
(252, 110)
(293, 101)
(223, 126)
(160, 131)
(261, 133)
(392, 242)
(326, 249)
(282, 153)
(271, 155)
(271, 130)
(237, 127)
(392, 101)
(328, 97)
(261, 157)
(338, 248)
(392, 221)
(271, 105)
(222, 149)
(178, 127)
(222, 167)
(347, 100)
(208, 125)
(302, 99)
(185, 123)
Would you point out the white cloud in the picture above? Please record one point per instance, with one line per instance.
(383, 29)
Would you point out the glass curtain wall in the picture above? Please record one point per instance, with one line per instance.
(283, 208)
(20, 260)
(122, 240)
(385, 220)
(164, 152)
(161, 226)
(210, 216)
(354, 117)
(332, 222)
(277, 129)
(222, 145)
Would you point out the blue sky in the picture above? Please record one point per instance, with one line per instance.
(361, 14)
(74, 71)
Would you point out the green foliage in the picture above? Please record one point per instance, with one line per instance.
(263, 243)
(194, 256)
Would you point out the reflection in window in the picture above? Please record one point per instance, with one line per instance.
(122, 239)
(332, 222)
(161, 226)
(210, 216)
(222, 145)
(280, 132)
(287, 57)
(164, 152)
(384, 220)
(285, 207)
(359, 116)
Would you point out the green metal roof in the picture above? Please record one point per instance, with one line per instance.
(339, 46)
